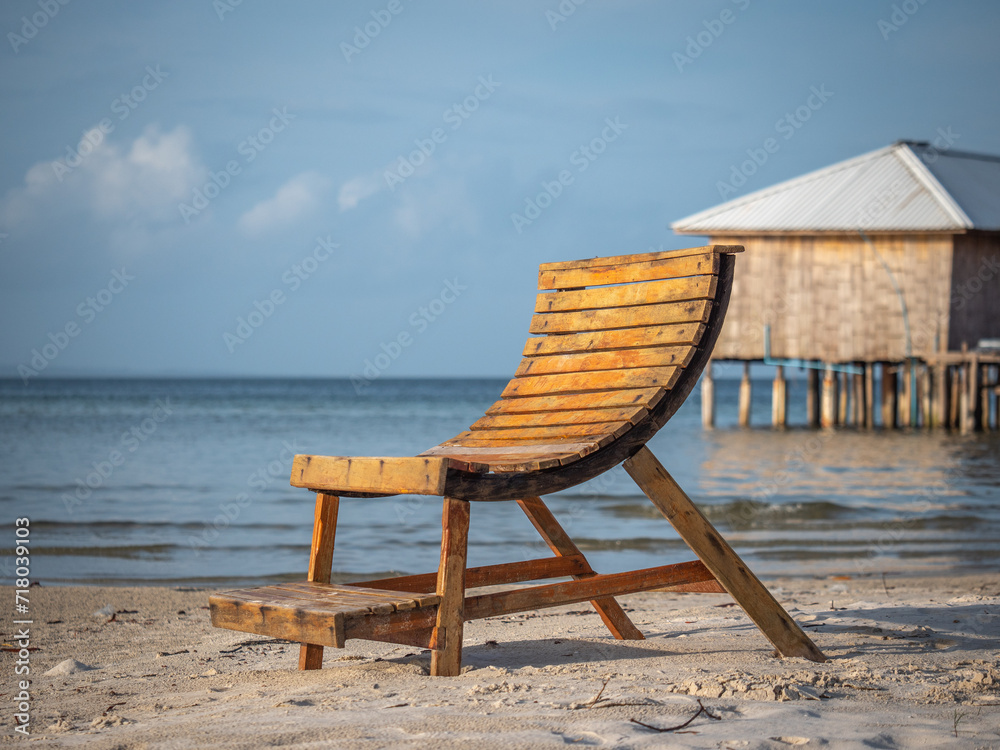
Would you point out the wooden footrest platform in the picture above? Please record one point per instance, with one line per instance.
(322, 613)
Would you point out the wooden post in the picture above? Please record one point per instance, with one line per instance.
(924, 386)
(955, 399)
(320, 564)
(889, 381)
(996, 402)
(746, 396)
(976, 385)
(940, 395)
(905, 395)
(728, 569)
(964, 407)
(829, 409)
(779, 398)
(843, 398)
(813, 397)
(446, 638)
(858, 399)
(561, 544)
(869, 395)
(707, 398)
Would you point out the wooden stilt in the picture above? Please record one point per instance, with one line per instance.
(869, 395)
(858, 399)
(975, 401)
(829, 411)
(779, 398)
(734, 575)
(707, 398)
(842, 398)
(320, 564)
(559, 542)
(996, 400)
(924, 387)
(813, 397)
(964, 407)
(889, 386)
(446, 640)
(746, 396)
(940, 388)
(954, 397)
(904, 396)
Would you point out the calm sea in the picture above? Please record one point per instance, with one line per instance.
(186, 482)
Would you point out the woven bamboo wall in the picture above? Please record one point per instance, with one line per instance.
(829, 298)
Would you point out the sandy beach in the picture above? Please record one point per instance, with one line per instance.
(913, 662)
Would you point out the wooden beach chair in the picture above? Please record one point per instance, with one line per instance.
(618, 345)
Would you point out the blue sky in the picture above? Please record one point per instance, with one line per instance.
(325, 189)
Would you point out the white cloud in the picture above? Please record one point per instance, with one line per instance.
(357, 189)
(142, 182)
(296, 198)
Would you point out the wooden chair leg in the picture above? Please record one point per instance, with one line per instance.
(719, 557)
(446, 640)
(561, 544)
(320, 565)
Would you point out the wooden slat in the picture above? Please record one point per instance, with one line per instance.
(631, 414)
(640, 258)
(521, 458)
(414, 476)
(659, 356)
(621, 317)
(602, 380)
(544, 433)
(288, 623)
(645, 397)
(624, 338)
(648, 293)
(627, 273)
(612, 584)
(490, 575)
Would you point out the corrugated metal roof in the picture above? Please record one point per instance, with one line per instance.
(905, 187)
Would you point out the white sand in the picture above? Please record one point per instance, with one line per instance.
(911, 665)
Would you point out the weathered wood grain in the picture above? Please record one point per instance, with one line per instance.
(601, 380)
(446, 639)
(627, 273)
(620, 359)
(624, 295)
(636, 316)
(390, 475)
(719, 557)
(624, 338)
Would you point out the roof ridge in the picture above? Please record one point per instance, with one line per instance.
(924, 175)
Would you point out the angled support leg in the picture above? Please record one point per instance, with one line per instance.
(320, 565)
(720, 558)
(446, 638)
(559, 542)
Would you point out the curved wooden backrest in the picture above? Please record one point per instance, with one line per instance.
(615, 336)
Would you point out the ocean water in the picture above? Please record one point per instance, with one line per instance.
(185, 482)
